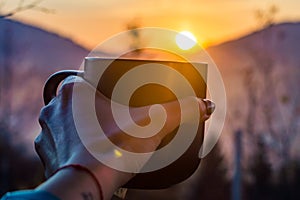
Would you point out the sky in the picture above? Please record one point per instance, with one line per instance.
(89, 22)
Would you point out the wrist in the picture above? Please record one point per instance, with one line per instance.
(111, 180)
(71, 183)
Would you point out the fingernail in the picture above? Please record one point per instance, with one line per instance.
(210, 106)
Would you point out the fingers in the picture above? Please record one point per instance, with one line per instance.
(190, 112)
(185, 111)
(210, 106)
(207, 107)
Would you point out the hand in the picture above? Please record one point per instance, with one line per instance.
(59, 144)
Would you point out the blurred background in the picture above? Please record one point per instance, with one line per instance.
(255, 45)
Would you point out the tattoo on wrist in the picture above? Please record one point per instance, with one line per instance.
(87, 196)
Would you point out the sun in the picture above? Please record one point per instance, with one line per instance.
(185, 40)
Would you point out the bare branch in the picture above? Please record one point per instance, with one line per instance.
(23, 7)
(266, 17)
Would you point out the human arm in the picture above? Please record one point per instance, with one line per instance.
(59, 145)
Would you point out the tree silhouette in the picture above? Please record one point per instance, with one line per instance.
(265, 101)
(211, 181)
(135, 38)
(266, 17)
(23, 6)
(260, 169)
(17, 170)
(288, 182)
(269, 100)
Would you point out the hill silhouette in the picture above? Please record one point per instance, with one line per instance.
(260, 71)
(28, 55)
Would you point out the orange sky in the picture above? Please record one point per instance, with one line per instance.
(91, 21)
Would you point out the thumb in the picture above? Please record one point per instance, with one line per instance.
(190, 112)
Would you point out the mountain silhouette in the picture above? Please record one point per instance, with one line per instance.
(260, 72)
(261, 75)
(28, 55)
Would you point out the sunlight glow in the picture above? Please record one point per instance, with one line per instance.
(118, 154)
(185, 40)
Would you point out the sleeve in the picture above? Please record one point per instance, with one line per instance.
(29, 195)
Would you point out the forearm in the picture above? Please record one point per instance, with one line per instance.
(75, 183)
